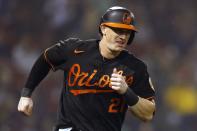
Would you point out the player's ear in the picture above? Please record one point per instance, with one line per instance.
(103, 29)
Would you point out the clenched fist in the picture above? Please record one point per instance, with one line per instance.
(118, 82)
(25, 105)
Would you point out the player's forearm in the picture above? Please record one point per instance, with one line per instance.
(144, 109)
(38, 72)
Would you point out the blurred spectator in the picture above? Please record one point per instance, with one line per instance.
(25, 53)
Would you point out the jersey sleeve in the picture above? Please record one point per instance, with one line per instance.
(143, 86)
(57, 54)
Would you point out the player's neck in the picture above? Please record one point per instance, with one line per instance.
(106, 52)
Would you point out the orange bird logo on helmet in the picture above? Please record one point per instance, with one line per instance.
(126, 18)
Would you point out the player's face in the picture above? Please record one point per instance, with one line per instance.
(116, 39)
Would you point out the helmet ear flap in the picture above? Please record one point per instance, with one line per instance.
(132, 35)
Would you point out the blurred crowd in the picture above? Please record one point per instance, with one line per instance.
(166, 41)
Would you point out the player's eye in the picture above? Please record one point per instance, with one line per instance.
(121, 31)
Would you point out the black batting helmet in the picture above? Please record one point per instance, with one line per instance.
(119, 17)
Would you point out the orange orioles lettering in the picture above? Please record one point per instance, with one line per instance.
(76, 77)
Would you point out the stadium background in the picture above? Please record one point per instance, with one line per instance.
(166, 41)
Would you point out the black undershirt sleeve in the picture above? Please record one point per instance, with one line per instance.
(38, 72)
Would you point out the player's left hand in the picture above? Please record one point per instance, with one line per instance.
(25, 106)
(118, 82)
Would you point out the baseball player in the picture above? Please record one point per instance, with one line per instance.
(102, 80)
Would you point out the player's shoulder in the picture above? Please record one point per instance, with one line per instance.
(134, 60)
(68, 41)
(75, 42)
(78, 40)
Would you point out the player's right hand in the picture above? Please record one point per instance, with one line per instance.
(25, 105)
(118, 82)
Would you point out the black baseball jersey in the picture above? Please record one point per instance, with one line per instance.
(87, 101)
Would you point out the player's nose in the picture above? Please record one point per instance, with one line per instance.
(123, 36)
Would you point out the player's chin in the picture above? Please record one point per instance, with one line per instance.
(118, 49)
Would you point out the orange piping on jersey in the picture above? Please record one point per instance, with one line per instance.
(45, 56)
(89, 91)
